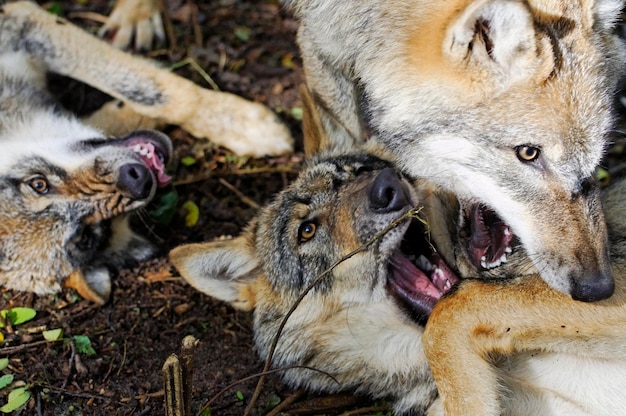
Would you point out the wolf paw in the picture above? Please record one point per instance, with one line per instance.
(137, 21)
(245, 127)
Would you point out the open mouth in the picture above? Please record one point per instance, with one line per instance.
(490, 237)
(154, 152)
(418, 276)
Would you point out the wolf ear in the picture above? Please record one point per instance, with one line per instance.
(226, 270)
(315, 136)
(494, 35)
(607, 13)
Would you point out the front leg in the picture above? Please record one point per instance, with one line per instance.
(482, 320)
(246, 127)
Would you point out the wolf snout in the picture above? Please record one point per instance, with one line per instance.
(136, 179)
(592, 287)
(388, 193)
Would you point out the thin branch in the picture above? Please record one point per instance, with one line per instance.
(253, 376)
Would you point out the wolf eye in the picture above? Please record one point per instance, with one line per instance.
(306, 231)
(39, 184)
(527, 153)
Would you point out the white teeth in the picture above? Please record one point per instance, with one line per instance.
(137, 148)
(508, 250)
(447, 285)
(149, 154)
(498, 262)
(143, 152)
(507, 232)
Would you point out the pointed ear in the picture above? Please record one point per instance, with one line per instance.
(607, 13)
(495, 36)
(315, 136)
(227, 270)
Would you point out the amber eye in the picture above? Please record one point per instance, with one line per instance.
(39, 184)
(527, 153)
(306, 231)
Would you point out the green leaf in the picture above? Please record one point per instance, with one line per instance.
(193, 213)
(53, 334)
(83, 345)
(56, 8)
(188, 160)
(18, 315)
(17, 398)
(296, 113)
(4, 363)
(164, 208)
(243, 33)
(239, 395)
(5, 380)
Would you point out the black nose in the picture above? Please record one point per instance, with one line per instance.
(593, 287)
(136, 179)
(388, 193)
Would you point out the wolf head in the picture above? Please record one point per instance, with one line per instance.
(508, 107)
(64, 190)
(342, 231)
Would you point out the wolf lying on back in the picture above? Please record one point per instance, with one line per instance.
(363, 323)
(64, 184)
(506, 103)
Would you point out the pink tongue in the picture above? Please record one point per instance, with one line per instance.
(411, 278)
(155, 164)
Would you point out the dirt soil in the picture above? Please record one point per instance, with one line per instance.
(245, 47)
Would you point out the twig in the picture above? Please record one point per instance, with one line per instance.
(18, 348)
(192, 63)
(240, 194)
(268, 362)
(262, 374)
(286, 403)
(123, 360)
(364, 410)
(197, 31)
(249, 171)
(65, 392)
(93, 16)
(169, 27)
(69, 372)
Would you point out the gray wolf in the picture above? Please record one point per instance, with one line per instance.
(505, 103)
(66, 185)
(511, 345)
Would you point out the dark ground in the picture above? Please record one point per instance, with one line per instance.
(247, 48)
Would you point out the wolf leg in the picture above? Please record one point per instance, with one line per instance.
(245, 127)
(482, 320)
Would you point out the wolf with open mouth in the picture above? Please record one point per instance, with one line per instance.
(65, 185)
(506, 104)
(373, 286)
(502, 341)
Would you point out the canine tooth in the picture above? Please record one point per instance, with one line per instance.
(483, 263)
(508, 250)
(503, 259)
(143, 152)
(483, 258)
(507, 232)
(137, 148)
